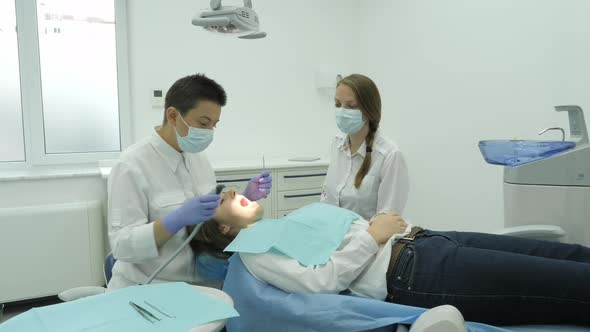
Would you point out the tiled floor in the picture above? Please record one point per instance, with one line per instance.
(15, 309)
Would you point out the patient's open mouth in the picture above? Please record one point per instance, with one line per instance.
(244, 201)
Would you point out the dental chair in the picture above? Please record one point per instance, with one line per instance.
(109, 262)
(263, 307)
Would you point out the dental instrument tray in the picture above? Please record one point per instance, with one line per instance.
(518, 152)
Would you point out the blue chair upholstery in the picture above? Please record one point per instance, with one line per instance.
(263, 307)
(109, 262)
(211, 268)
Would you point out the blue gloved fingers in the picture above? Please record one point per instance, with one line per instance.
(204, 214)
(207, 217)
(265, 182)
(208, 214)
(209, 198)
(259, 186)
(194, 211)
(262, 177)
(209, 205)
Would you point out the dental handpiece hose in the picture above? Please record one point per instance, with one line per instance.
(217, 191)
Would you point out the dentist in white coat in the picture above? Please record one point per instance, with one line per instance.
(162, 184)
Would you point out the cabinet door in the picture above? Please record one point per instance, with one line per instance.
(239, 181)
(301, 178)
(294, 199)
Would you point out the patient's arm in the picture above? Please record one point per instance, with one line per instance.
(345, 265)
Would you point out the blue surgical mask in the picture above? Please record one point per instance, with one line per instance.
(197, 139)
(349, 121)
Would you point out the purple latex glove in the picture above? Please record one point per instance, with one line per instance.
(192, 212)
(258, 187)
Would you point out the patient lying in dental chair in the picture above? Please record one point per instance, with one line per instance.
(492, 279)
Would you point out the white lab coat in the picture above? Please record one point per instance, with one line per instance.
(151, 179)
(384, 189)
(358, 265)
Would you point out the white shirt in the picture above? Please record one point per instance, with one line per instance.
(150, 180)
(385, 187)
(358, 265)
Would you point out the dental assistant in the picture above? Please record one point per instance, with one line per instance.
(163, 184)
(367, 172)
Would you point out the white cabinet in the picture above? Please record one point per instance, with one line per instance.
(292, 187)
(298, 187)
(301, 178)
(294, 199)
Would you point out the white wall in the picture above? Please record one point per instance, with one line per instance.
(273, 105)
(451, 73)
(454, 72)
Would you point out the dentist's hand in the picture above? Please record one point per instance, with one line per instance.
(192, 212)
(258, 187)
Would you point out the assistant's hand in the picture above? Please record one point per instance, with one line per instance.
(258, 187)
(384, 226)
(192, 212)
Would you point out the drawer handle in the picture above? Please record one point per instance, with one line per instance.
(303, 176)
(302, 195)
(235, 180)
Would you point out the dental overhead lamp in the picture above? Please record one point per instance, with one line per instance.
(230, 20)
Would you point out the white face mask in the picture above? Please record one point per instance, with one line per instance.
(349, 121)
(197, 139)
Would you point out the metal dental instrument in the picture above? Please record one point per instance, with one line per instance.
(145, 313)
(158, 309)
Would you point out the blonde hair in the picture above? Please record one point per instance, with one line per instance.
(369, 101)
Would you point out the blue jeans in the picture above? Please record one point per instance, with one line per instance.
(493, 279)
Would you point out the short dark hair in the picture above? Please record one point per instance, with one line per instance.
(186, 92)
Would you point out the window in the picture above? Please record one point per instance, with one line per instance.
(73, 69)
(78, 75)
(12, 145)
